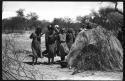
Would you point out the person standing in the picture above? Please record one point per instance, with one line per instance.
(63, 48)
(51, 45)
(70, 38)
(46, 41)
(36, 45)
(57, 31)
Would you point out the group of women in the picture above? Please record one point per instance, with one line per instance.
(58, 42)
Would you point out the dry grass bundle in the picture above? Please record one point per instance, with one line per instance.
(96, 49)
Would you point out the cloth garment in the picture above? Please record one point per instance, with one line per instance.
(35, 45)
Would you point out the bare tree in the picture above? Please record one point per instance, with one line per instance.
(115, 6)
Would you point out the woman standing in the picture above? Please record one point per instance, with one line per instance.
(35, 45)
(70, 37)
(51, 45)
(63, 49)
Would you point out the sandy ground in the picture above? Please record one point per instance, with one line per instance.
(54, 71)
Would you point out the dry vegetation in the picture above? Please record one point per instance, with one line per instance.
(13, 67)
(15, 53)
(96, 49)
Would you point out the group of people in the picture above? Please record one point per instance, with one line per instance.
(58, 42)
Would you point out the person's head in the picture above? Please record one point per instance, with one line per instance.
(38, 30)
(88, 25)
(57, 27)
(63, 30)
(50, 27)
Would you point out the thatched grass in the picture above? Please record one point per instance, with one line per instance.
(96, 49)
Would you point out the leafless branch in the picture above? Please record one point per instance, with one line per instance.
(12, 65)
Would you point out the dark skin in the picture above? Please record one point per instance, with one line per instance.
(38, 32)
(35, 39)
(34, 58)
(57, 30)
(50, 59)
(62, 57)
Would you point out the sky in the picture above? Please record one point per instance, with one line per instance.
(50, 10)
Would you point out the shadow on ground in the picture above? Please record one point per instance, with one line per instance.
(38, 63)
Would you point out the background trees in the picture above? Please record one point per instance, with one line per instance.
(21, 22)
(111, 18)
